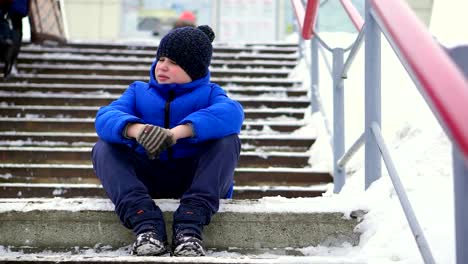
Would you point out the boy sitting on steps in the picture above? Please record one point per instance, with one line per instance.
(173, 137)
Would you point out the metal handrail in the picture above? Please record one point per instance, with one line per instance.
(403, 30)
(404, 201)
(431, 70)
(353, 14)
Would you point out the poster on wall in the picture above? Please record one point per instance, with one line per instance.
(247, 20)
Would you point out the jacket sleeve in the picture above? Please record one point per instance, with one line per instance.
(112, 119)
(221, 118)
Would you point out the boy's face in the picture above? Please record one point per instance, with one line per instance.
(167, 71)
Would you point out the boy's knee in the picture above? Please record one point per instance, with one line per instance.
(103, 149)
(228, 142)
(100, 147)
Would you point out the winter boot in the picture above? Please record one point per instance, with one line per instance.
(187, 246)
(148, 244)
(147, 221)
(187, 231)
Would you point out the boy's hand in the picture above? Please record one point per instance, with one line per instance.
(155, 140)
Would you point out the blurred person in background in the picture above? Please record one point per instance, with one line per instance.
(12, 13)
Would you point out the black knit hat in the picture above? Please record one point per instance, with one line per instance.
(190, 48)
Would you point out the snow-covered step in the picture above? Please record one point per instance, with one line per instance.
(242, 55)
(62, 172)
(217, 47)
(90, 111)
(140, 70)
(58, 224)
(212, 258)
(111, 88)
(276, 45)
(63, 139)
(94, 189)
(125, 79)
(109, 60)
(87, 124)
(72, 155)
(101, 99)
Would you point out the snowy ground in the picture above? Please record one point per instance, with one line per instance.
(419, 147)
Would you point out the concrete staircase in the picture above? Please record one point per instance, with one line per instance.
(48, 109)
(50, 198)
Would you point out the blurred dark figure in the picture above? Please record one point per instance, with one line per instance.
(186, 19)
(11, 31)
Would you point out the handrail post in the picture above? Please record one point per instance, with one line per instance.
(460, 178)
(301, 41)
(373, 162)
(338, 119)
(314, 71)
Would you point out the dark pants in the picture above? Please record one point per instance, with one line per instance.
(131, 180)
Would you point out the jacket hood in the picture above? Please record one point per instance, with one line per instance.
(177, 88)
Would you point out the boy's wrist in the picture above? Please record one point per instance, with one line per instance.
(133, 129)
(182, 131)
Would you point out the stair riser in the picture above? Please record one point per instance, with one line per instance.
(96, 101)
(234, 64)
(143, 72)
(236, 92)
(64, 229)
(19, 175)
(85, 126)
(50, 192)
(122, 80)
(151, 55)
(151, 50)
(290, 145)
(79, 113)
(84, 157)
(260, 47)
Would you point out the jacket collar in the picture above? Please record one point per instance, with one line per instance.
(175, 87)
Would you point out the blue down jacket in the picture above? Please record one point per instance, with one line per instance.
(205, 105)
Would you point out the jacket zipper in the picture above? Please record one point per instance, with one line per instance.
(167, 116)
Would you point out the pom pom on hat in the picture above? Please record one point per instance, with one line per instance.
(190, 48)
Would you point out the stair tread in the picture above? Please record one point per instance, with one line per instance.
(284, 47)
(242, 136)
(90, 119)
(316, 187)
(145, 61)
(88, 149)
(38, 94)
(150, 54)
(123, 87)
(75, 190)
(263, 205)
(133, 78)
(89, 166)
(218, 258)
(82, 107)
(138, 67)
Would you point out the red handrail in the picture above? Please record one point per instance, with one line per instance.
(307, 18)
(353, 14)
(444, 86)
(307, 21)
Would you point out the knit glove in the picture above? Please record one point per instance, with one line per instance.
(155, 140)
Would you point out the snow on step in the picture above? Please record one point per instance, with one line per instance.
(72, 190)
(217, 259)
(256, 224)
